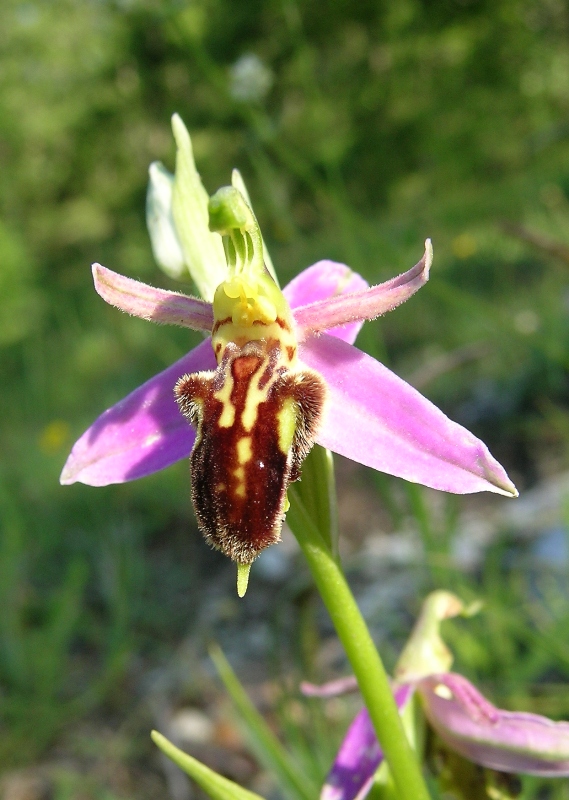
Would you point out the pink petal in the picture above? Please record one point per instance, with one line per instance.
(156, 305)
(508, 741)
(359, 756)
(141, 434)
(366, 303)
(323, 281)
(374, 417)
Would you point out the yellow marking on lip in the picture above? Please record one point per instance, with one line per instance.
(239, 473)
(286, 421)
(227, 417)
(255, 396)
(244, 450)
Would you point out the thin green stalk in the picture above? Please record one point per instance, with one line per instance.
(361, 652)
(269, 749)
(317, 493)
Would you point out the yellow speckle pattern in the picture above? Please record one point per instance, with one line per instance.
(244, 450)
(224, 396)
(255, 396)
(286, 421)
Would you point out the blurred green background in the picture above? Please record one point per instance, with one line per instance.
(360, 129)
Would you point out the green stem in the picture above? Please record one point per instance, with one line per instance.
(361, 652)
(317, 493)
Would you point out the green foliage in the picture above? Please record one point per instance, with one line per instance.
(368, 127)
(216, 786)
(292, 780)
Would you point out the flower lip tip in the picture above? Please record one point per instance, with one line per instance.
(243, 571)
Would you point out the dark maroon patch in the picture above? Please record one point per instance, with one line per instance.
(242, 526)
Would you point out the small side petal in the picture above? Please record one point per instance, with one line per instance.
(508, 741)
(374, 417)
(141, 434)
(367, 303)
(326, 280)
(330, 689)
(359, 756)
(156, 305)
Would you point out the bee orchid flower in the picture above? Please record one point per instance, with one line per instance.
(277, 373)
(365, 412)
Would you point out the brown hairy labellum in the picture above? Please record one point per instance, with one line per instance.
(256, 421)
